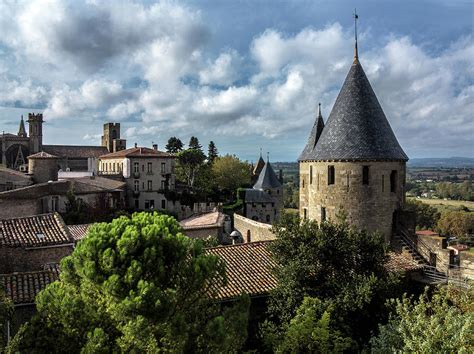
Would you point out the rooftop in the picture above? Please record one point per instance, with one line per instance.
(267, 178)
(42, 155)
(357, 128)
(13, 175)
(34, 231)
(78, 232)
(75, 151)
(248, 267)
(137, 152)
(22, 288)
(203, 221)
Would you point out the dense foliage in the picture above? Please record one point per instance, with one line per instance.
(136, 285)
(341, 269)
(174, 145)
(6, 311)
(426, 216)
(442, 323)
(212, 152)
(229, 173)
(458, 191)
(190, 162)
(456, 223)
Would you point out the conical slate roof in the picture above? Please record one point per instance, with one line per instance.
(259, 166)
(22, 130)
(313, 137)
(357, 128)
(267, 178)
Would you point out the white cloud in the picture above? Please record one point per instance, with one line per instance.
(223, 71)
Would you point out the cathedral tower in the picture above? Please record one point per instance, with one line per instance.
(353, 167)
(111, 138)
(35, 124)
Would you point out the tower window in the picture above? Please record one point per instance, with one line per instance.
(310, 174)
(302, 182)
(365, 175)
(317, 177)
(305, 214)
(383, 183)
(323, 214)
(393, 181)
(331, 175)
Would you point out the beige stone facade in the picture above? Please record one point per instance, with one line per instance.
(368, 203)
(251, 230)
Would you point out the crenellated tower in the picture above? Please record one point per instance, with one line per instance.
(35, 124)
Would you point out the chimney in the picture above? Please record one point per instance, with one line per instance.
(155, 146)
(135, 144)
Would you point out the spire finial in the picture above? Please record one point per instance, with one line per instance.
(356, 50)
(319, 109)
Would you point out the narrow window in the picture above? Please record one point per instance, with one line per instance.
(147, 204)
(310, 174)
(143, 168)
(365, 175)
(135, 167)
(302, 182)
(383, 183)
(163, 204)
(249, 237)
(136, 186)
(393, 181)
(149, 185)
(305, 213)
(323, 214)
(268, 218)
(163, 167)
(163, 184)
(331, 175)
(317, 176)
(149, 167)
(152, 204)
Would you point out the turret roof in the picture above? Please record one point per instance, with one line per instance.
(357, 128)
(22, 130)
(314, 136)
(267, 178)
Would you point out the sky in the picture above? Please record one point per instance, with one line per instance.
(245, 74)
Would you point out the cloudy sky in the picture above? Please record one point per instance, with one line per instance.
(246, 74)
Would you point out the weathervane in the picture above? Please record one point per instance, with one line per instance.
(356, 51)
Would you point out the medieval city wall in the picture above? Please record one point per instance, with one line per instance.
(256, 230)
(367, 206)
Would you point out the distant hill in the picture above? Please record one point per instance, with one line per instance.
(447, 162)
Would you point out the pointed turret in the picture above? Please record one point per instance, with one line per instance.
(22, 130)
(259, 165)
(267, 178)
(314, 136)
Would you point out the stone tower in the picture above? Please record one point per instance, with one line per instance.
(269, 183)
(35, 123)
(111, 138)
(353, 167)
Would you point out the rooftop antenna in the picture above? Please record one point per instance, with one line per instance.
(356, 50)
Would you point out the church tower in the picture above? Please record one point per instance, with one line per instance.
(35, 124)
(353, 167)
(111, 138)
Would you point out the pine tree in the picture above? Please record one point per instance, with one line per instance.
(174, 145)
(212, 152)
(194, 143)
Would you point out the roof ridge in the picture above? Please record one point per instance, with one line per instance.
(253, 243)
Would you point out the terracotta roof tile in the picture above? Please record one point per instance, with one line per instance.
(400, 262)
(78, 232)
(42, 155)
(248, 268)
(22, 288)
(212, 219)
(34, 231)
(137, 152)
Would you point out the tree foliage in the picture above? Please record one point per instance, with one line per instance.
(136, 285)
(212, 152)
(442, 324)
(459, 191)
(426, 215)
(341, 266)
(194, 144)
(456, 223)
(174, 145)
(190, 161)
(230, 173)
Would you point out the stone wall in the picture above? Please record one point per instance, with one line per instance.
(252, 230)
(368, 206)
(466, 264)
(17, 259)
(203, 233)
(433, 249)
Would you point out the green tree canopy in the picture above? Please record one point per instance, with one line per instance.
(190, 161)
(174, 145)
(136, 285)
(212, 152)
(456, 223)
(194, 144)
(442, 324)
(426, 216)
(230, 173)
(340, 265)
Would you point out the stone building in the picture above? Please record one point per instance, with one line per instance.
(353, 167)
(11, 179)
(148, 173)
(264, 201)
(15, 148)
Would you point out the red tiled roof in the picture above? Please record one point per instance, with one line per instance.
(427, 233)
(34, 231)
(400, 262)
(22, 288)
(78, 232)
(137, 152)
(203, 221)
(248, 268)
(42, 155)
